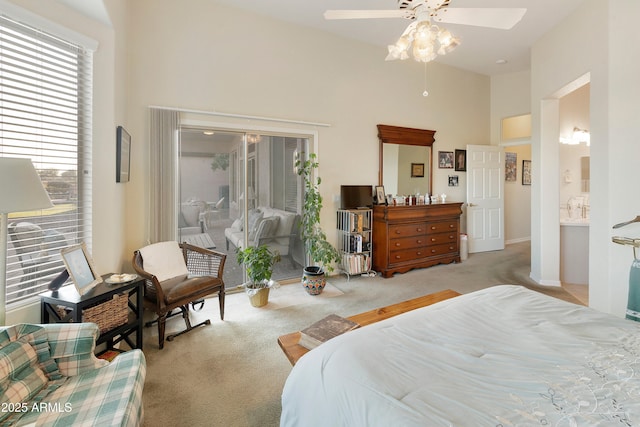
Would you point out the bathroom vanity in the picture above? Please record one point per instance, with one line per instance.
(574, 251)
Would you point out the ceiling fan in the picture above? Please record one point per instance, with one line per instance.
(427, 38)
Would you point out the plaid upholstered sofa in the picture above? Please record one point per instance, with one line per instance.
(49, 376)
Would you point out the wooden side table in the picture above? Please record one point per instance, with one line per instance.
(74, 304)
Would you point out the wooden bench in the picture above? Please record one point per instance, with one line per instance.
(294, 351)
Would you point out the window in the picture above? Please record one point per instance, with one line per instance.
(45, 105)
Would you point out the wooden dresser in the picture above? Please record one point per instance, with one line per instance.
(408, 237)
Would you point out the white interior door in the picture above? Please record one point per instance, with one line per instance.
(485, 198)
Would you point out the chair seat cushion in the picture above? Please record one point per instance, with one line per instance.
(185, 287)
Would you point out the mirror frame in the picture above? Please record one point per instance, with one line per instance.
(405, 136)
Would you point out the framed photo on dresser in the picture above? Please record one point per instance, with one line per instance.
(381, 198)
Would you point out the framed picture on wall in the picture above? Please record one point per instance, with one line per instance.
(453, 180)
(417, 170)
(123, 155)
(445, 159)
(510, 166)
(461, 160)
(526, 172)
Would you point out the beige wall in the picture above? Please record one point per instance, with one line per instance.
(511, 96)
(202, 56)
(517, 200)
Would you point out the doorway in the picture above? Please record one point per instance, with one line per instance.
(238, 186)
(574, 188)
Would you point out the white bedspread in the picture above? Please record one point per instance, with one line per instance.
(503, 356)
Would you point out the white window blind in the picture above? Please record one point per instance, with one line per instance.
(45, 115)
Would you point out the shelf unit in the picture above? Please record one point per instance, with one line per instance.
(354, 241)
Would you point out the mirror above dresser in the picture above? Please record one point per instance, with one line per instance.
(405, 165)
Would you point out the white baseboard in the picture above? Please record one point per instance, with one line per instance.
(539, 281)
(522, 239)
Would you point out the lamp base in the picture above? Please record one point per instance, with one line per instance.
(56, 283)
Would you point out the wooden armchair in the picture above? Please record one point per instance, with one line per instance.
(177, 275)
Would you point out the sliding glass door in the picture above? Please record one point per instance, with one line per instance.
(239, 188)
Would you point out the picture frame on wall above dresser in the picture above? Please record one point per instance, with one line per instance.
(445, 159)
(461, 160)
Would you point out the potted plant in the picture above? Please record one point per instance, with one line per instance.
(319, 250)
(258, 261)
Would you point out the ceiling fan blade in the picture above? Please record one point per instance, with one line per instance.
(501, 18)
(365, 14)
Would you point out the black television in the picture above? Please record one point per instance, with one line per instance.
(356, 196)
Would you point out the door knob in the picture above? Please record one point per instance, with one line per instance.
(471, 205)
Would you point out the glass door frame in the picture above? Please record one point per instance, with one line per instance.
(311, 135)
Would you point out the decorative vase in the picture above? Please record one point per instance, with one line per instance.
(313, 280)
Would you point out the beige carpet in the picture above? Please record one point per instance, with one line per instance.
(231, 373)
(238, 307)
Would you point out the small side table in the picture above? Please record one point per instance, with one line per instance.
(68, 297)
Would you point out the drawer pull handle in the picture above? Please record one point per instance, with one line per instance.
(397, 245)
(397, 231)
(433, 227)
(397, 256)
(418, 253)
(418, 230)
(418, 241)
(433, 251)
(433, 239)
(450, 225)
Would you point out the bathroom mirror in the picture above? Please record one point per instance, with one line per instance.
(405, 159)
(585, 174)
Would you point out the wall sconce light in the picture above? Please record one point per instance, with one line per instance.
(578, 136)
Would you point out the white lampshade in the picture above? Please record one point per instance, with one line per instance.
(20, 186)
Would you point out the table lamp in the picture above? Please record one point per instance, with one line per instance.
(20, 190)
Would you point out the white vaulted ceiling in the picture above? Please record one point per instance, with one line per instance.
(478, 52)
(480, 47)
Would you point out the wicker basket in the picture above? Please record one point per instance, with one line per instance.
(110, 314)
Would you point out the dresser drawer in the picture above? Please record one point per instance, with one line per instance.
(414, 254)
(407, 230)
(442, 226)
(409, 242)
(441, 238)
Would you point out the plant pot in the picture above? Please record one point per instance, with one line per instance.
(313, 280)
(258, 297)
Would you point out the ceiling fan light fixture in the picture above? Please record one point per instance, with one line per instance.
(423, 31)
(423, 13)
(423, 53)
(423, 41)
(399, 50)
(447, 42)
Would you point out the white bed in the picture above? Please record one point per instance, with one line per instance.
(503, 356)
